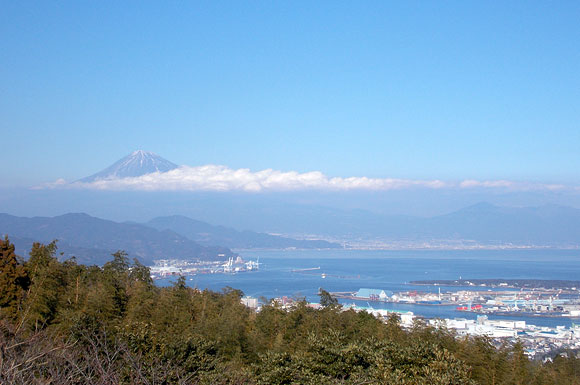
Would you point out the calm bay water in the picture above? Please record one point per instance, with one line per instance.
(349, 270)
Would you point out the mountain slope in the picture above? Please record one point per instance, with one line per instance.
(207, 235)
(87, 256)
(84, 233)
(135, 164)
(549, 224)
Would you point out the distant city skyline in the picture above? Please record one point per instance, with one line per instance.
(418, 91)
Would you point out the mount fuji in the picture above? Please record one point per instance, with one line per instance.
(135, 164)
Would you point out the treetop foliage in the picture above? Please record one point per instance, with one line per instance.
(65, 323)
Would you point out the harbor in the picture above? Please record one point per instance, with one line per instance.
(166, 268)
(390, 271)
(537, 302)
(386, 285)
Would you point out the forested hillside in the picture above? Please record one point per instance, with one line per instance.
(66, 323)
(89, 238)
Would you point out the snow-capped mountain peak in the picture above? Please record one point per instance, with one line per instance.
(135, 164)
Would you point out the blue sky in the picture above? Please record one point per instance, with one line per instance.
(419, 90)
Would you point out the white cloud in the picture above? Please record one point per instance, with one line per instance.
(59, 183)
(511, 185)
(222, 178)
(471, 183)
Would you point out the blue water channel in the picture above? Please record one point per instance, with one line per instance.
(349, 270)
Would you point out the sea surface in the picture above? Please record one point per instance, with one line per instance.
(349, 270)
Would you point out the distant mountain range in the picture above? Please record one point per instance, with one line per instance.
(92, 240)
(483, 222)
(135, 164)
(548, 225)
(206, 234)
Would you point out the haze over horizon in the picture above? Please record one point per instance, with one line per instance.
(416, 109)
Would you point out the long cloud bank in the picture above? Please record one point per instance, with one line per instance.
(222, 178)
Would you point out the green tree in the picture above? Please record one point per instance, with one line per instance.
(327, 299)
(48, 283)
(393, 326)
(488, 363)
(14, 280)
(140, 273)
(119, 264)
(116, 282)
(518, 366)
